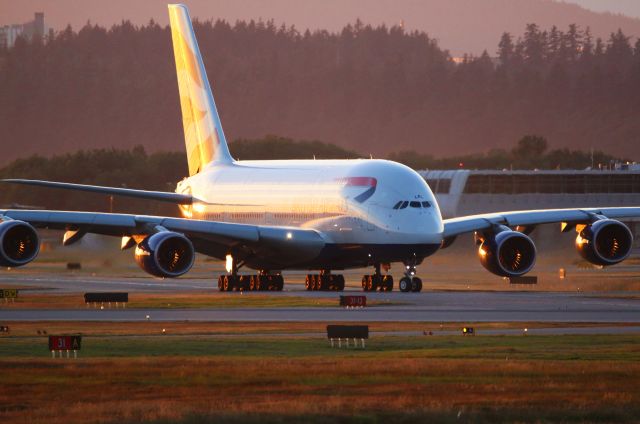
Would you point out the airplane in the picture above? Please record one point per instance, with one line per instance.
(276, 215)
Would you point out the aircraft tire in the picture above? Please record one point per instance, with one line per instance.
(339, 282)
(405, 284)
(364, 283)
(416, 284)
(279, 282)
(388, 283)
(308, 282)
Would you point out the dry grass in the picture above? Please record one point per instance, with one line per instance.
(125, 376)
(171, 388)
(99, 328)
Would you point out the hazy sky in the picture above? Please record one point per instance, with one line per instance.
(626, 7)
(12, 11)
(459, 25)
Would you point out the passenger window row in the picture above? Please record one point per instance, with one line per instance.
(414, 204)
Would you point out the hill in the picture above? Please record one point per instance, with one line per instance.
(374, 90)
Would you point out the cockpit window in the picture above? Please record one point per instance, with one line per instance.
(414, 204)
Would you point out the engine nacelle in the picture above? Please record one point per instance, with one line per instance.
(605, 242)
(19, 243)
(507, 253)
(165, 254)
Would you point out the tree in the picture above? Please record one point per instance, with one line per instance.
(530, 149)
(505, 49)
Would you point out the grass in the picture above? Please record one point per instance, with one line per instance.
(194, 379)
(557, 348)
(196, 328)
(191, 300)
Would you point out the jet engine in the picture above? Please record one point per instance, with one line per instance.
(605, 242)
(165, 254)
(507, 253)
(19, 243)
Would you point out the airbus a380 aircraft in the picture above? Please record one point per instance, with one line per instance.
(321, 215)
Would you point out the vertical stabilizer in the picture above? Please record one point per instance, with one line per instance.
(203, 133)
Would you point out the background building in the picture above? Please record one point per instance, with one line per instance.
(29, 30)
(466, 192)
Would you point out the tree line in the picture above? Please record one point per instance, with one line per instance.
(136, 168)
(371, 89)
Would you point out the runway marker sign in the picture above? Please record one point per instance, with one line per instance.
(8, 294)
(347, 332)
(65, 343)
(107, 297)
(353, 301)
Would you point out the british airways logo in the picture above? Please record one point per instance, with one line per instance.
(369, 182)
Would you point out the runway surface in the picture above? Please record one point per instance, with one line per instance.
(428, 306)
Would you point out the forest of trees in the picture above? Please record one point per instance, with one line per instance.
(374, 90)
(135, 168)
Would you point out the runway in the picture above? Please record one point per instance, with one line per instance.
(390, 314)
(428, 306)
(417, 307)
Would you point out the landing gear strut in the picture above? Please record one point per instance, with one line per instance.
(325, 281)
(262, 281)
(377, 281)
(410, 283)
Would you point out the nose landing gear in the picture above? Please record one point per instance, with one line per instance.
(410, 283)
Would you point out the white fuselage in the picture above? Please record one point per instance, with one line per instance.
(349, 201)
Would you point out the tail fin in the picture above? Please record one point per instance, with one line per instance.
(203, 133)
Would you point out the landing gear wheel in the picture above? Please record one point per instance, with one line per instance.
(279, 281)
(317, 279)
(339, 284)
(405, 284)
(227, 285)
(220, 283)
(253, 281)
(264, 282)
(416, 284)
(387, 283)
(365, 283)
(308, 282)
(324, 281)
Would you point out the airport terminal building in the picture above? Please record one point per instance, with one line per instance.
(468, 192)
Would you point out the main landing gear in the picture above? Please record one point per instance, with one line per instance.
(410, 283)
(325, 281)
(377, 281)
(260, 282)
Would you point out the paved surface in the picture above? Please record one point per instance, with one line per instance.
(498, 311)
(443, 306)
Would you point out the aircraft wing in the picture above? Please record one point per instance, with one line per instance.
(466, 224)
(161, 196)
(209, 237)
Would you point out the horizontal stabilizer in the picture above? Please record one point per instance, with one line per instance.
(161, 196)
